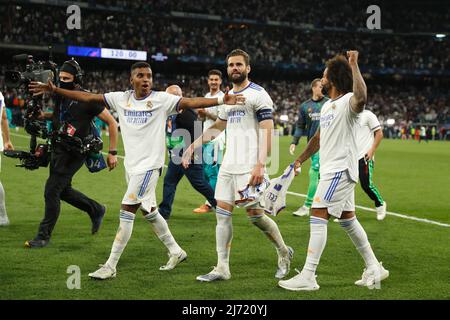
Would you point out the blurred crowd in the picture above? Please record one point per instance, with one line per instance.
(214, 39)
(347, 14)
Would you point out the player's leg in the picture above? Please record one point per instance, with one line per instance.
(272, 232)
(365, 178)
(197, 180)
(173, 176)
(159, 225)
(374, 271)
(208, 175)
(130, 204)
(329, 200)
(4, 221)
(225, 195)
(312, 186)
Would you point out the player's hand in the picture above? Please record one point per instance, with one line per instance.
(297, 167)
(369, 155)
(201, 112)
(257, 175)
(39, 88)
(111, 161)
(352, 56)
(233, 99)
(8, 146)
(187, 157)
(292, 149)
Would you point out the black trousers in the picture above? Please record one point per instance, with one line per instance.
(59, 187)
(365, 178)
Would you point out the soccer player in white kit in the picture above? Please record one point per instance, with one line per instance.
(5, 144)
(249, 133)
(369, 135)
(335, 195)
(142, 116)
(212, 151)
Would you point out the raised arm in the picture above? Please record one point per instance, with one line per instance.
(359, 98)
(38, 88)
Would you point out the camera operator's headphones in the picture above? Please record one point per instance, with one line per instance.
(78, 77)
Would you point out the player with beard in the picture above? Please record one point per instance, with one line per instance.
(335, 195)
(249, 141)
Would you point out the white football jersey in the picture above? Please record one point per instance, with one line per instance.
(220, 140)
(242, 142)
(338, 146)
(2, 104)
(142, 124)
(274, 199)
(367, 125)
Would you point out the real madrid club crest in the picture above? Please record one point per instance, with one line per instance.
(333, 106)
(149, 104)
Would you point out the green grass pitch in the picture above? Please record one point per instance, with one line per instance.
(413, 178)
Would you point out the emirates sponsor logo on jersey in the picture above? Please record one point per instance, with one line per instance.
(326, 120)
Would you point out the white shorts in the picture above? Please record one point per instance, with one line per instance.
(141, 189)
(336, 193)
(229, 184)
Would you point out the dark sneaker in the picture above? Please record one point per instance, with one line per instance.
(97, 222)
(36, 243)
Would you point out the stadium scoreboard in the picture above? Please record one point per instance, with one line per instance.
(107, 53)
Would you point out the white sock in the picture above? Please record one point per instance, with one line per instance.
(317, 242)
(161, 229)
(224, 235)
(359, 237)
(271, 230)
(2, 203)
(122, 236)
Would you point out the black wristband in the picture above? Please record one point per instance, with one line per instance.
(113, 152)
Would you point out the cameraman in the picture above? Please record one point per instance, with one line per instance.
(71, 121)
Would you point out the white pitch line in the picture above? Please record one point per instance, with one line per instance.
(404, 216)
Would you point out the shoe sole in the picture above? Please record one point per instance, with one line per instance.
(208, 280)
(98, 278)
(299, 289)
(300, 214)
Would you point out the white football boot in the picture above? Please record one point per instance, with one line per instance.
(105, 272)
(301, 212)
(381, 211)
(299, 283)
(215, 275)
(174, 260)
(284, 263)
(373, 275)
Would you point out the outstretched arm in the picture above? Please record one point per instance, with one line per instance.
(359, 98)
(195, 103)
(38, 88)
